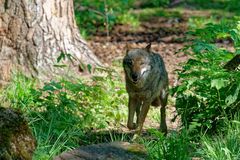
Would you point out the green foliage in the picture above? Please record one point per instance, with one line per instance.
(61, 112)
(176, 146)
(230, 5)
(130, 19)
(225, 29)
(94, 15)
(183, 146)
(18, 93)
(154, 3)
(158, 12)
(199, 22)
(208, 94)
(101, 15)
(51, 140)
(224, 146)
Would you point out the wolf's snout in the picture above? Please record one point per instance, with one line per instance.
(134, 77)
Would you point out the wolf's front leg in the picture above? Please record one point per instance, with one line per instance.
(131, 111)
(138, 109)
(143, 114)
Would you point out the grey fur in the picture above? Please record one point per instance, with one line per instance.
(146, 83)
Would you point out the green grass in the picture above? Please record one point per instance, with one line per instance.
(51, 143)
(129, 19)
(225, 145)
(176, 146)
(183, 146)
(200, 22)
(145, 14)
(61, 112)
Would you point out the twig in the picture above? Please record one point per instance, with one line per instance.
(90, 9)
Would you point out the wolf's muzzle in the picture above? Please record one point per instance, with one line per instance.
(134, 77)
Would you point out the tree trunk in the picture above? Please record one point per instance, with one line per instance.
(34, 33)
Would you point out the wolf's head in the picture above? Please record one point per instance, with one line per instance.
(137, 65)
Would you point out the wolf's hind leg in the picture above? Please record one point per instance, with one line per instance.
(163, 124)
(156, 102)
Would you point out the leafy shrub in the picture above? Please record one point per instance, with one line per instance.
(209, 94)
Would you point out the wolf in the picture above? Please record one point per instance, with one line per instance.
(147, 84)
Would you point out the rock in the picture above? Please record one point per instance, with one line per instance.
(106, 151)
(16, 139)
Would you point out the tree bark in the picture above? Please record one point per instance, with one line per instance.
(34, 33)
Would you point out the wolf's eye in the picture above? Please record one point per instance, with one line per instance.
(129, 62)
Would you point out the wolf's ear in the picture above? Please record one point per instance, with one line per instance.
(148, 47)
(128, 47)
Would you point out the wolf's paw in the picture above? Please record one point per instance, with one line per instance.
(132, 126)
(136, 137)
(163, 129)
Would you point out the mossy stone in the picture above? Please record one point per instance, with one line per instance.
(16, 139)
